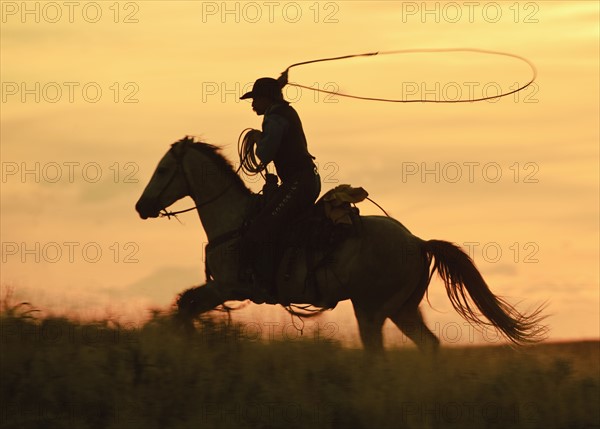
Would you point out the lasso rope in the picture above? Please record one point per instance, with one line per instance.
(283, 79)
(248, 160)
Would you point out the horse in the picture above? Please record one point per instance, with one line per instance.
(384, 270)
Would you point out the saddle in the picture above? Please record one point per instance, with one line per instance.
(311, 239)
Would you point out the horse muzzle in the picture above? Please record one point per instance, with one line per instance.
(147, 209)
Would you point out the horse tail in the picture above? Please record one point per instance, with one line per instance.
(459, 274)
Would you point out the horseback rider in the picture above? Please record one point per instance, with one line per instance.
(282, 142)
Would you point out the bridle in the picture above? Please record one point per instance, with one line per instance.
(179, 160)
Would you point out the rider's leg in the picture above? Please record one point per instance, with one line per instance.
(257, 250)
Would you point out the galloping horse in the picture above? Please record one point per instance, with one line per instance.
(385, 270)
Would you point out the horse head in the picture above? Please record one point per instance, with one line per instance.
(168, 184)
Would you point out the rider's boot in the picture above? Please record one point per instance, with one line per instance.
(250, 272)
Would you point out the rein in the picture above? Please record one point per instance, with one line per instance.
(167, 214)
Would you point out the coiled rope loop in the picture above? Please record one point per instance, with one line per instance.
(283, 79)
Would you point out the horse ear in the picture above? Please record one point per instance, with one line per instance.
(179, 146)
(176, 149)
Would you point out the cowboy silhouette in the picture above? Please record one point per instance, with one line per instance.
(282, 142)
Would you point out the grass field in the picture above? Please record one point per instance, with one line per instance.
(59, 373)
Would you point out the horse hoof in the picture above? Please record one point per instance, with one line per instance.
(184, 322)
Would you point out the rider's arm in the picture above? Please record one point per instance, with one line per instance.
(274, 127)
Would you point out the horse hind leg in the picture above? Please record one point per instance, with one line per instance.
(411, 323)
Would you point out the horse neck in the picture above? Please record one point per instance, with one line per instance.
(226, 212)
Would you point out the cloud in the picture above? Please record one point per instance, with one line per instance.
(161, 286)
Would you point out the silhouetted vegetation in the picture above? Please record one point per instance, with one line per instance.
(61, 373)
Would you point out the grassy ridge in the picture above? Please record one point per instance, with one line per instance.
(57, 373)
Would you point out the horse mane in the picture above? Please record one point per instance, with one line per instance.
(223, 164)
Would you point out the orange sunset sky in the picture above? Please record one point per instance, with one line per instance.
(93, 93)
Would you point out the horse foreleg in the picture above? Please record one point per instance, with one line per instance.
(197, 300)
(370, 325)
